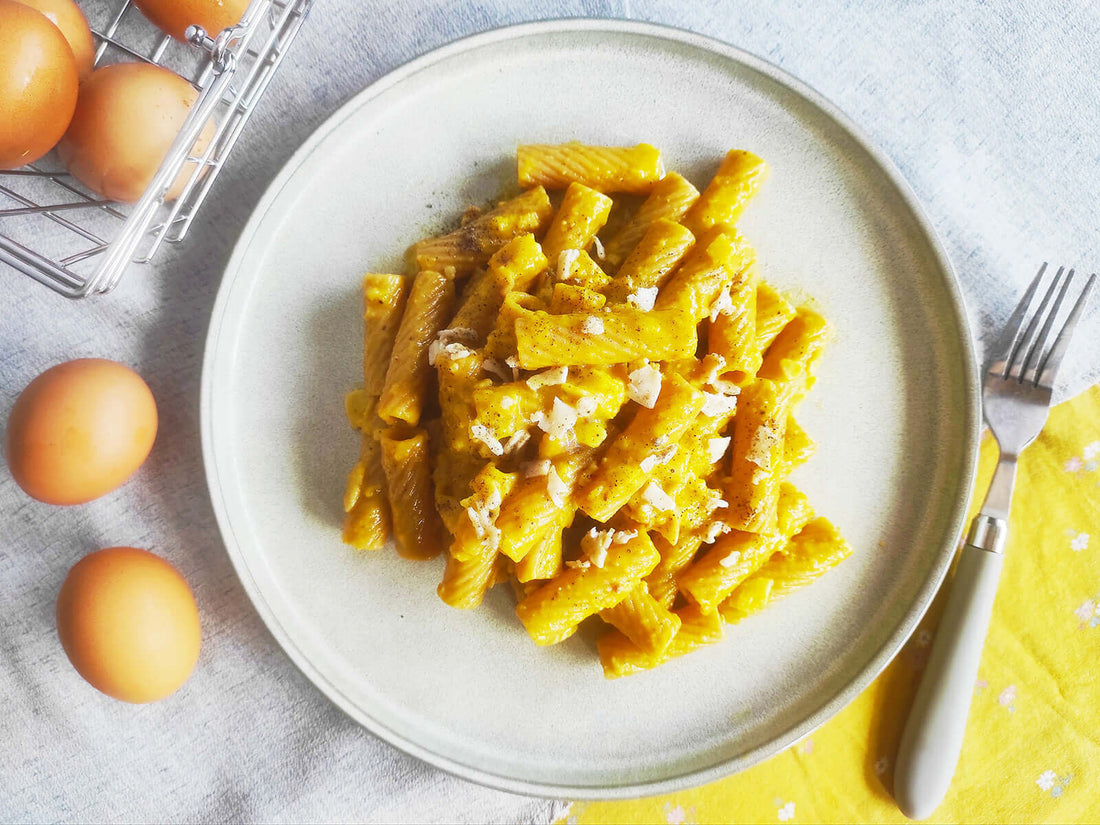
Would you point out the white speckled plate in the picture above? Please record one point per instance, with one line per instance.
(895, 410)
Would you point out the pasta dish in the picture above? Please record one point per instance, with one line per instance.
(586, 392)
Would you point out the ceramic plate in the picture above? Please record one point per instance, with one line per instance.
(895, 410)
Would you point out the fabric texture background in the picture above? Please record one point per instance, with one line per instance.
(987, 110)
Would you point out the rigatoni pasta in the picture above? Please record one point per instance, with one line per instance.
(732, 332)
(669, 199)
(815, 550)
(719, 264)
(366, 507)
(656, 255)
(738, 178)
(367, 512)
(647, 623)
(565, 601)
(383, 307)
(616, 336)
(621, 657)
(582, 214)
(416, 524)
(623, 470)
(406, 384)
(635, 169)
(604, 423)
(756, 466)
(463, 251)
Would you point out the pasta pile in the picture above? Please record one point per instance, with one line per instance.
(603, 422)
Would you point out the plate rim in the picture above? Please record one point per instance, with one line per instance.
(971, 414)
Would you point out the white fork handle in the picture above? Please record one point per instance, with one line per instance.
(933, 734)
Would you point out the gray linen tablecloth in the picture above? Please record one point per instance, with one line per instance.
(989, 110)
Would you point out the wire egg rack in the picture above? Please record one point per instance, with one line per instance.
(70, 239)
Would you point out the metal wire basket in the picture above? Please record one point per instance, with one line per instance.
(75, 242)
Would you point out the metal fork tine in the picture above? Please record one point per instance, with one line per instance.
(1014, 367)
(1048, 367)
(1029, 370)
(1006, 344)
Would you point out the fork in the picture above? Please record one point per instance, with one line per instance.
(1016, 393)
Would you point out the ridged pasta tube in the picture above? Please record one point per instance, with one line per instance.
(530, 509)
(757, 457)
(620, 474)
(471, 245)
(669, 474)
(383, 305)
(652, 261)
(674, 558)
(568, 298)
(621, 657)
(567, 600)
(796, 348)
(670, 198)
(431, 301)
(732, 335)
(475, 532)
(773, 312)
(407, 465)
(797, 444)
(465, 581)
(575, 266)
(582, 214)
(544, 559)
(642, 619)
(506, 408)
(716, 264)
(366, 510)
(513, 267)
(459, 379)
(502, 340)
(633, 169)
(736, 555)
(811, 553)
(738, 178)
(613, 336)
(452, 475)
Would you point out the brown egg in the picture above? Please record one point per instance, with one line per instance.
(79, 430)
(129, 624)
(174, 16)
(38, 84)
(125, 121)
(67, 16)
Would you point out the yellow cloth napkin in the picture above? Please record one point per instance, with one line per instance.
(1032, 747)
